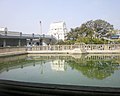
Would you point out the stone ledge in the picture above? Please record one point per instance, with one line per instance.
(16, 88)
(75, 51)
(12, 53)
(103, 51)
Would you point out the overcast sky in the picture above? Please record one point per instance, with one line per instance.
(24, 15)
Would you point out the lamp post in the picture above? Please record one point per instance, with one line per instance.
(40, 27)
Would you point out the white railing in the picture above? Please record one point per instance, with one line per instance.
(62, 47)
(83, 47)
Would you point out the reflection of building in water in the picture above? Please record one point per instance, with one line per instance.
(58, 65)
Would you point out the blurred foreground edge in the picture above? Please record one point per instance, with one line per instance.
(16, 88)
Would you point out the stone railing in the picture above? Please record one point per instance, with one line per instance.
(54, 47)
(72, 47)
(102, 46)
(85, 47)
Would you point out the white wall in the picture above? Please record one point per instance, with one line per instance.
(3, 29)
(58, 30)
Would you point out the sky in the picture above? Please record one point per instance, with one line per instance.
(25, 15)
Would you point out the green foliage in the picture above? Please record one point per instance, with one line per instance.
(88, 40)
(117, 41)
(66, 42)
(60, 42)
(90, 32)
(72, 35)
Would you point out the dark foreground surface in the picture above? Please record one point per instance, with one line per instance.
(15, 88)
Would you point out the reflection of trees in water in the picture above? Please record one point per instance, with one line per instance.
(14, 62)
(92, 66)
(95, 69)
(11, 60)
(18, 62)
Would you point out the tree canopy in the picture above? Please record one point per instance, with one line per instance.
(90, 30)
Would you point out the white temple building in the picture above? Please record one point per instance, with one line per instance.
(58, 30)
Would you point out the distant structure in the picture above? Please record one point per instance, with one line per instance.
(12, 38)
(116, 35)
(58, 30)
(3, 29)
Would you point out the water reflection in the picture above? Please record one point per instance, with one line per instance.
(94, 66)
(95, 69)
(58, 65)
(7, 63)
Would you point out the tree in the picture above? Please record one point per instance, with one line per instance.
(90, 30)
(103, 28)
(72, 35)
(97, 28)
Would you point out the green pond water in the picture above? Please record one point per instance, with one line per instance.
(82, 70)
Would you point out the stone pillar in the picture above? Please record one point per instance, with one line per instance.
(5, 33)
(50, 41)
(27, 42)
(20, 34)
(4, 43)
(41, 42)
(33, 35)
(19, 43)
(31, 42)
